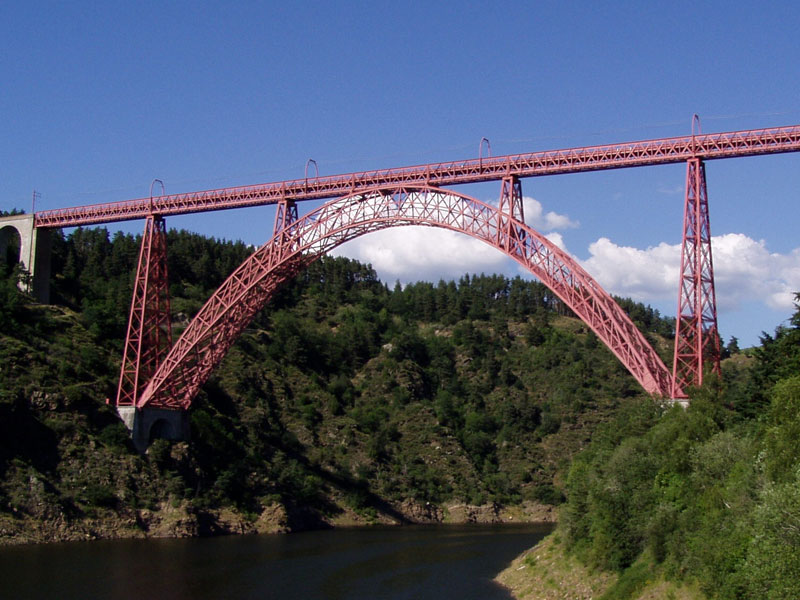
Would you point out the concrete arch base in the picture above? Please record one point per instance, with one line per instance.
(147, 424)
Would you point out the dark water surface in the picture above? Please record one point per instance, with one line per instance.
(437, 562)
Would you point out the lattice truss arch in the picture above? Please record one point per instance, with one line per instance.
(233, 306)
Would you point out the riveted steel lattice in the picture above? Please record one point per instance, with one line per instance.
(534, 164)
(696, 336)
(149, 336)
(285, 218)
(211, 333)
(510, 208)
(288, 256)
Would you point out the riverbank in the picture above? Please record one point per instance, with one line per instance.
(547, 572)
(183, 520)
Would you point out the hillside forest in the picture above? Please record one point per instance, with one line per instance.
(350, 400)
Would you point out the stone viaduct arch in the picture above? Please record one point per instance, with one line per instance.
(34, 251)
(10, 243)
(301, 241)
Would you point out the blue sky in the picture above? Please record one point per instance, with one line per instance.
(98, 99)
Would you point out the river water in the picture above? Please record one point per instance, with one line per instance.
(410, 562)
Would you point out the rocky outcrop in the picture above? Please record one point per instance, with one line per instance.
(182, 520)
(527, 512)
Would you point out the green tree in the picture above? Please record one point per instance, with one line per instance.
(782, 438)
(772, 568)
(11, 303)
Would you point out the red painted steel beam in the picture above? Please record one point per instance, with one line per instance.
(149, 336)
(551, 162)
(232, 307)
(697, 344)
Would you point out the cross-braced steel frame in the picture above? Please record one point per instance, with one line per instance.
(696, 335)
(149, 336)
(534, 164)
(697, 340)
(214, 329)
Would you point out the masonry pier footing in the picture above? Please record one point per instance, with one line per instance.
(148, 424)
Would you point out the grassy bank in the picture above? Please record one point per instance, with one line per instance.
(548, 572)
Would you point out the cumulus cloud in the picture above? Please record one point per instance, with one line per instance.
(744, 271)
(639, 274)
(429, 254)
(557, 240)
(536, 217)
(423, 254)
(754, 286)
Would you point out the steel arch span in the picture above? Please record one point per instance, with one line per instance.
(233, 306)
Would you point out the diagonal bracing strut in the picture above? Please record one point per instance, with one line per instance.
(149, 336)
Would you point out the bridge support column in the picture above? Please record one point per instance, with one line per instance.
(149, 335)
(696, 334)
(285, 217)
(148, 424)
(34, 253)
(510, 208)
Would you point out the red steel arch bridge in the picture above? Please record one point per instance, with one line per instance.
(158, 373)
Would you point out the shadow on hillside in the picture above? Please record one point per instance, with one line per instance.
(26, 438)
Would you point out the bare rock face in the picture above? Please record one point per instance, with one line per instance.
(273, 519)
(537, 513)
(184, 520)
(467, 513)
(417, 512)
(171, 522)
(527, 512)
(224, 522)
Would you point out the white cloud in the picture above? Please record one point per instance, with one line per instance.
(557, 239)
(430, 253)
(544, 221)
(744, 272)
(423, 254)
(639, 274)
(747, 275)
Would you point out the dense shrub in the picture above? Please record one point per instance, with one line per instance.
(710, 492)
